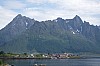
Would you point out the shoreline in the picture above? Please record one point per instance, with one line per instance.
(25, 58)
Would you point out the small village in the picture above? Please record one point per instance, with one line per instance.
(39, 56)
(6, 56)
(55, 56)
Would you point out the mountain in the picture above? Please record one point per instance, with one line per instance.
(23, 34)
(18, 25)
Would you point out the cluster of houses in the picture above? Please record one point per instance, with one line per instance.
(57, 56)
(62, 56)
(43, 56)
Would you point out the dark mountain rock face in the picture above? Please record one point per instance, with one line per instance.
(23, 34)
(18, 25)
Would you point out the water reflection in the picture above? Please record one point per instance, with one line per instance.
(56, 62)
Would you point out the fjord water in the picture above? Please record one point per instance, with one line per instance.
(56, 62)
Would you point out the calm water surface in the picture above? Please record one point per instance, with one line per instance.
(56, 62)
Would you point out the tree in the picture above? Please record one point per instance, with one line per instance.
(25, 53)
(2, 52)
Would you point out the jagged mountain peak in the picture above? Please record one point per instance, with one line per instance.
(78, 19)
(19, 16)
(87, 23)
(18, 25)
(21, 20)
(76, 16)
(59, 18)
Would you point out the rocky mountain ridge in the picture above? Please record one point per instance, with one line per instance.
(23, 34)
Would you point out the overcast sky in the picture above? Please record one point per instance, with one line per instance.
(88, 10)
